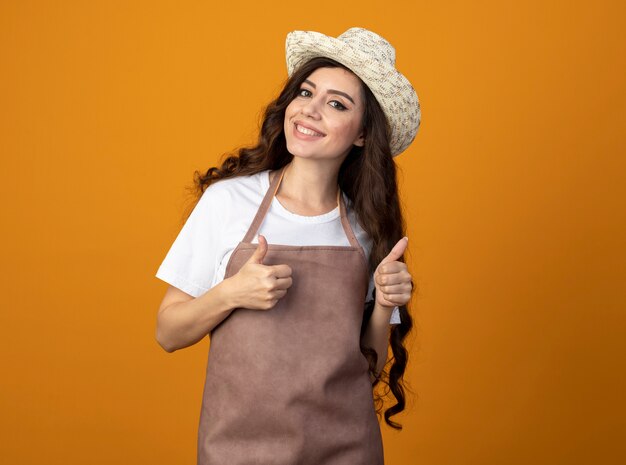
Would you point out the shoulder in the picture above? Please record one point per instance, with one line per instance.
(229, 186)
(224, 193)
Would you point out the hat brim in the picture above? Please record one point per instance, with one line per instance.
(392, 90)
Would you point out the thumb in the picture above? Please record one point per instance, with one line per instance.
(397, 251)
(259, 253)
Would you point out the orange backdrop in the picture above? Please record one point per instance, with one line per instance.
(515, 200)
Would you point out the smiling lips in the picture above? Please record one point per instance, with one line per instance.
(307, 131)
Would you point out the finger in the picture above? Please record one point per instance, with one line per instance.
(394, 267)
(280, 271)
(283, 283)
(397, 277)
(397, 251)
(259, 253)
(395, 299)
(401, 288)
(279, 293)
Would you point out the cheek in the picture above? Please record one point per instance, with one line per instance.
(291, 108)
(348, 129)
(290, 111)
(287, 117)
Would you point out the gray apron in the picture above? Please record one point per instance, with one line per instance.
(290, 385)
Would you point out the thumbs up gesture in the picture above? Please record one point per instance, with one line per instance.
(257, 286)
(259, 254)
(392, 279)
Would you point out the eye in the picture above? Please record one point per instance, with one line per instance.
(339, 105)
(304, 92)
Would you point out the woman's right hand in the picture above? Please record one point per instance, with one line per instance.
(257, 286)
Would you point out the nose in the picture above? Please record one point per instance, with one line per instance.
(311, 108)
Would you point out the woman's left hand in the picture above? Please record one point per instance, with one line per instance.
(392, 279)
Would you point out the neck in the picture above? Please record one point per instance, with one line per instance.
(310, 185)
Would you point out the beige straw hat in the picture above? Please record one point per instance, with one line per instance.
(373, 59)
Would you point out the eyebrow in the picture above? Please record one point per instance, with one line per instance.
(332, 91)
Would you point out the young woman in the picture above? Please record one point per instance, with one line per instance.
(292, 262)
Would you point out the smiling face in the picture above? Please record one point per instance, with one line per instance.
(324, 120)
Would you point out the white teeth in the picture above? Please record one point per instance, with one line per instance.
(307, 131)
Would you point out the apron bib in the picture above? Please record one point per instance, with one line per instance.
(290, 385)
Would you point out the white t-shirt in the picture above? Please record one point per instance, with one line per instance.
(198, 257)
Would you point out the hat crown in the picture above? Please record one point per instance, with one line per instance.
(369, 43)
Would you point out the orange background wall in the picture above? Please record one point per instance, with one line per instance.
(515, 192)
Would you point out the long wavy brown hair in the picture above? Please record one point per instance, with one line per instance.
(368, 177)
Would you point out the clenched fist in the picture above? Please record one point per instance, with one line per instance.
(392, 279)
(257, 286)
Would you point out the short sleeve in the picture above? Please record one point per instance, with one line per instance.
(193, 258)
(395, 314)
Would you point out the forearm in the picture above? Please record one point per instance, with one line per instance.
(376, 334)
(183, 324)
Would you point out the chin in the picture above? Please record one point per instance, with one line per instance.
(300, 154)
(297, 151)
